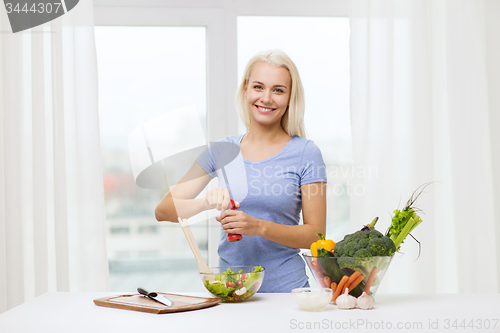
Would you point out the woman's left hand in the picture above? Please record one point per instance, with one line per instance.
(238, 222)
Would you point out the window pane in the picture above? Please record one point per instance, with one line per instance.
(319, 46)
(145, 72)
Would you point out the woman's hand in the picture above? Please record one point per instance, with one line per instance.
(238, 222)
(217, 198)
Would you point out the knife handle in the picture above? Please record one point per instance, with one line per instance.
(233, 237)
(142, 291)
(146, 293)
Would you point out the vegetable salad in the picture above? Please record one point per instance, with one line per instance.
(235, 286)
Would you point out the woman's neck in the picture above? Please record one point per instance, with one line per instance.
(261, 134)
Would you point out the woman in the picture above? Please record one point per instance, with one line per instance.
(285, 174)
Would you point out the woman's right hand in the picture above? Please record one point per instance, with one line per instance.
(217, 198)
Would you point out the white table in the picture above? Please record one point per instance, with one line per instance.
(75, 312)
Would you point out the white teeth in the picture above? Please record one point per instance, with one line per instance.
(264, 109)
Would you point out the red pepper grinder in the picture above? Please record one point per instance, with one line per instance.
(233, 237)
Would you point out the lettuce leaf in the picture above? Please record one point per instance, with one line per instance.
(218, 289)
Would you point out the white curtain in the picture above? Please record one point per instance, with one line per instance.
(425, 80)
(52, 232)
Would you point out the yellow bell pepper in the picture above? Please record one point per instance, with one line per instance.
(327, 244)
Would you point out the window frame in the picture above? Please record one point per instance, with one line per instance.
(219, 17)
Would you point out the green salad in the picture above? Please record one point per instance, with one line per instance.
(235, 286)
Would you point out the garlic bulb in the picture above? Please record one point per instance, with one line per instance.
(346, 301)
(365, 301)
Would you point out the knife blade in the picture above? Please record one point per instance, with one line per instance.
(155, 296)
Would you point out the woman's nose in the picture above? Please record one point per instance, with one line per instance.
(266, 96)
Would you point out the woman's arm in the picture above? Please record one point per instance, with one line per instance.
(295, 236)
(181, 202)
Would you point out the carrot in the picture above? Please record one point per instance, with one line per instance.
(369, 282)
(322, 283)
(333, 286)
(327, 281)
(339, 288)
(352, 278)
(355, 283)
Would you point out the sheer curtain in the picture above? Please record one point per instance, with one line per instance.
(424, 80)
(52, 235)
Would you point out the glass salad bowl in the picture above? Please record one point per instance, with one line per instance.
(332, 270)
(234, 284)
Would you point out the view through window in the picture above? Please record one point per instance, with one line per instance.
(144, 73)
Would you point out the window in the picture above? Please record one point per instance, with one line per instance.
(221, 36)
(145, 72)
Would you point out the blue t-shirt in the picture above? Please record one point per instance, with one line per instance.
(270, 190)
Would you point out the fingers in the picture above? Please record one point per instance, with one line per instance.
(231, 227)
(219, 201)
(225, 214)
(230, 218)
(218, 198)
(226, 199)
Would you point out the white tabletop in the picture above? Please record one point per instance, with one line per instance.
(76, 312)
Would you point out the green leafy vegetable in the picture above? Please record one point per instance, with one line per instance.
(218, 289)
(404, 221)
(227, 284)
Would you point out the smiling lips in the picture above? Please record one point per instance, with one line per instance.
(264, 110)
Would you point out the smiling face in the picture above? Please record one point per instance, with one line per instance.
(268, 93)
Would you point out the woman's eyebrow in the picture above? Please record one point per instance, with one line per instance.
(278, 85)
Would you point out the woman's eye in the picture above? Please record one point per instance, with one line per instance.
(279, 91)
(257, 87)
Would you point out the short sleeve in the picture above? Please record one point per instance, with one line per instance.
(206, 162)
(313, 168)
(218, 155)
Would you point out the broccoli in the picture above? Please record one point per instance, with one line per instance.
(362, 251)
(364, 243)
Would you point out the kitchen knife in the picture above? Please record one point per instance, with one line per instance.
(155, 296)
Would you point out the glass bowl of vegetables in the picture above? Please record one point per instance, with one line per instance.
(234, 284)
(356, 273)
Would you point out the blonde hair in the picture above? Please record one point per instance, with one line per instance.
(292, 121)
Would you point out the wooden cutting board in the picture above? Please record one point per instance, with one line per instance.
(137, 302)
